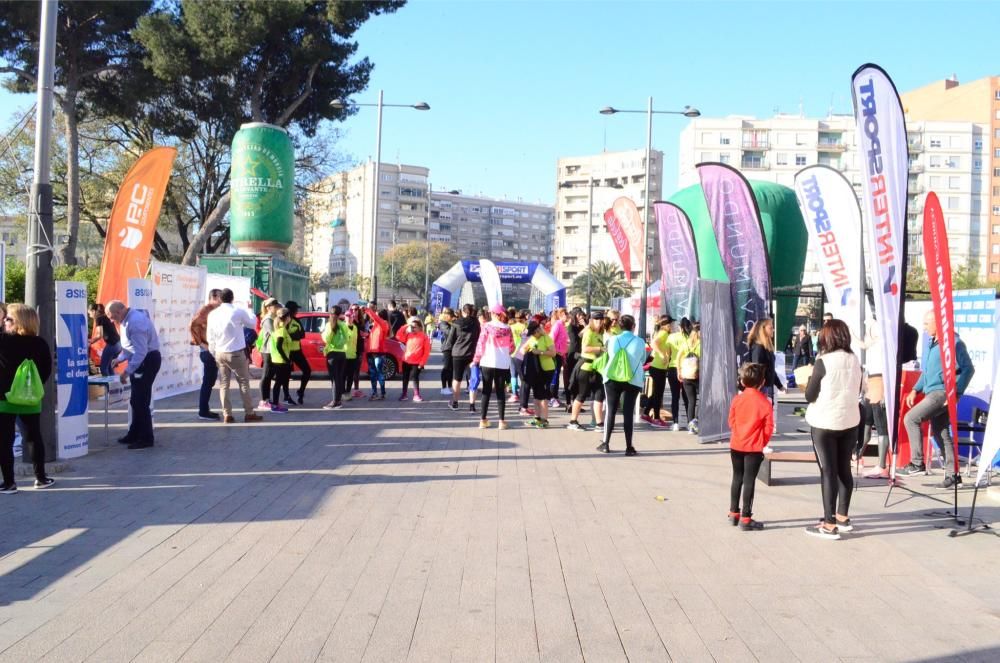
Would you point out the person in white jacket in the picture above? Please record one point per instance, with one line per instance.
(493, 350)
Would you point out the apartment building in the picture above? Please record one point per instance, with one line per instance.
(945, 156)
(977, 103)
(338, 221)
(604, 176)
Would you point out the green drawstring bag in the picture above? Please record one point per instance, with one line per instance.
(620, 368)
(600, 364)
(27, 388)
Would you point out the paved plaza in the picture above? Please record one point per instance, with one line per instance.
(400, 531)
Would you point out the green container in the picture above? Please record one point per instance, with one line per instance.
(262, 186)
(274, 276)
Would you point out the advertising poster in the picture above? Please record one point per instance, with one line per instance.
(240, 285)
(72, 368)
(178, 293)
(140, 296)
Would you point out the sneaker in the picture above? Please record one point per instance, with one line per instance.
(823, 532)
(604, 448)
(446, 391)
(8, 489)
(381, 397)
(357, 393)
(301, 394)
(630, 451)
(877, 473)
(911, 469)
(472, 408)
(373, 397)
(504, 425)
(675, 427)
(512, 398)
(44, 483)
(645, 417)
(330, 405)
(845, 526)
(289, 401)
(404, 397)
(543, 423)
(253, 417)
(750, 525)
(453, 405)
(277, 408)
(228, 419)
(209, 416)
(733, 518)
(263, 405)
(575, 425)
(950, 480)
(658, 423)
(693, 427)
(554, 402)
(348, 397)
(534, 422)
(526, 412)
(483, 423)
(417, 398)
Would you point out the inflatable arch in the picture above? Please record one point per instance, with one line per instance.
(448, 287)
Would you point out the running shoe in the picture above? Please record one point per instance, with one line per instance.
(823, 533)
(911, 469)
(445, 391)
(44, 483)
(750, 525)
(373, 397)
(331, 405)
(675, 427)
(877, 473)
(417, 398)
(277, 408)
(658, 423)
(348, 397)
(604, 448)
(289, 401)
(453, 405)
(483, 423)
(554, 402)
(209, 416)
(630, 451)
(404, 397)
(8, 489)
(263, 405)
(950, 480)
(504, 425)
(381, 397)
(693, 427)
(357, 393)
(734, 518)
(472, 408)
(845, 526)
(512, 398)
(576, 425)
(645, 417)
(526, 412)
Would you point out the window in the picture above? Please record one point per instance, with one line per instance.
(800, 159)
(953, 202)
(996, 134)
(953, 182)
(996, 173)
(801, 139)
(977, 144)
(996, 211)
(723, 140)
(724, 157)
(706, 156)
(935, 142)
(996, 191)
(953, 162)
(997, 114)
(935, 181)
(935, 161)
(708, 137)
(996, 95)
(753, 160)
(995, 268)
(996, 229)
(781, 158)
(977, 164)
(996, 249)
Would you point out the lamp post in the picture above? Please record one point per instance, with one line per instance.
(340, 104)
(590, 228)
(688, 111)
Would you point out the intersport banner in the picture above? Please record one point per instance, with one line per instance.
(620, 240)
(678, 261)
(882, 146)
(938, 261)
(132, 225)
(740, 237)
(631, 222)
(833, 220)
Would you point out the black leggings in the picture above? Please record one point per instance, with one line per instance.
(282, 374)
(302, 364)
(336, 365)
(675, 395)
(446, 370)
(746, 465)
(411, 372)
(691, 399)
(352, 370)
(265, 382)
(569, 383)
(614, 392)
(655, 402)
(833, 454)
(494, 379)
(32, 436)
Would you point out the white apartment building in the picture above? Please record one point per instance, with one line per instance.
(946, 157)
(607, 176)
(338, 224)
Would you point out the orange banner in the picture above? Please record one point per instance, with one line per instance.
(129, 240)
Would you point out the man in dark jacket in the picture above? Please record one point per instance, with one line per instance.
(396, 318)
(462, 339)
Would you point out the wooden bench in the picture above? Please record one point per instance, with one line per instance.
(782, 457)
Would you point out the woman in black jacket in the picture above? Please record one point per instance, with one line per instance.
(19, 342)
(761, 342)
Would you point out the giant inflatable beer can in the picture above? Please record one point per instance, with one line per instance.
(262, 189)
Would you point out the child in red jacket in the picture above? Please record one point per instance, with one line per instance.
(751, 422)
(418, 350)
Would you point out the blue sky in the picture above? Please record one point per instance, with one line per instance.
(513, 86)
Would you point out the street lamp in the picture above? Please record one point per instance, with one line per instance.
(590, 228)
(687, 111)
(340, 104)
(427, 238)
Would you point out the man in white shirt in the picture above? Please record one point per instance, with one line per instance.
(227, 343)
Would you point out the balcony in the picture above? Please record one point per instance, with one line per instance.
(915, 147)
(831, 146)
(914, 208)
(913, 189)
(916, 167)
(754, 164)
(758, 144)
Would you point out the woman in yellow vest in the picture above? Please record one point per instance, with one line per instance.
(663, 354)
(281, 343)
(676, 340)
(335, 336)
(351, 350)
(688, 363)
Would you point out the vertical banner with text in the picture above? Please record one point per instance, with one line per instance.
(630, 221)
(490, 278)
(620, 240)
(883, 149)
(678, 261)
(740, 236)
(938, 261)
(72, 368)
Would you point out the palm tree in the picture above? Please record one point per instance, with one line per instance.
(609, 282)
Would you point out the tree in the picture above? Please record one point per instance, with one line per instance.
(93, 43)
(916, 281)
(609, 282)
(260, 61)
(408, 266)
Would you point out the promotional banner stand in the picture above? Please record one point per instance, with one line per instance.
(980, 526)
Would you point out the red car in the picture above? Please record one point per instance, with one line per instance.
(313, 323)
